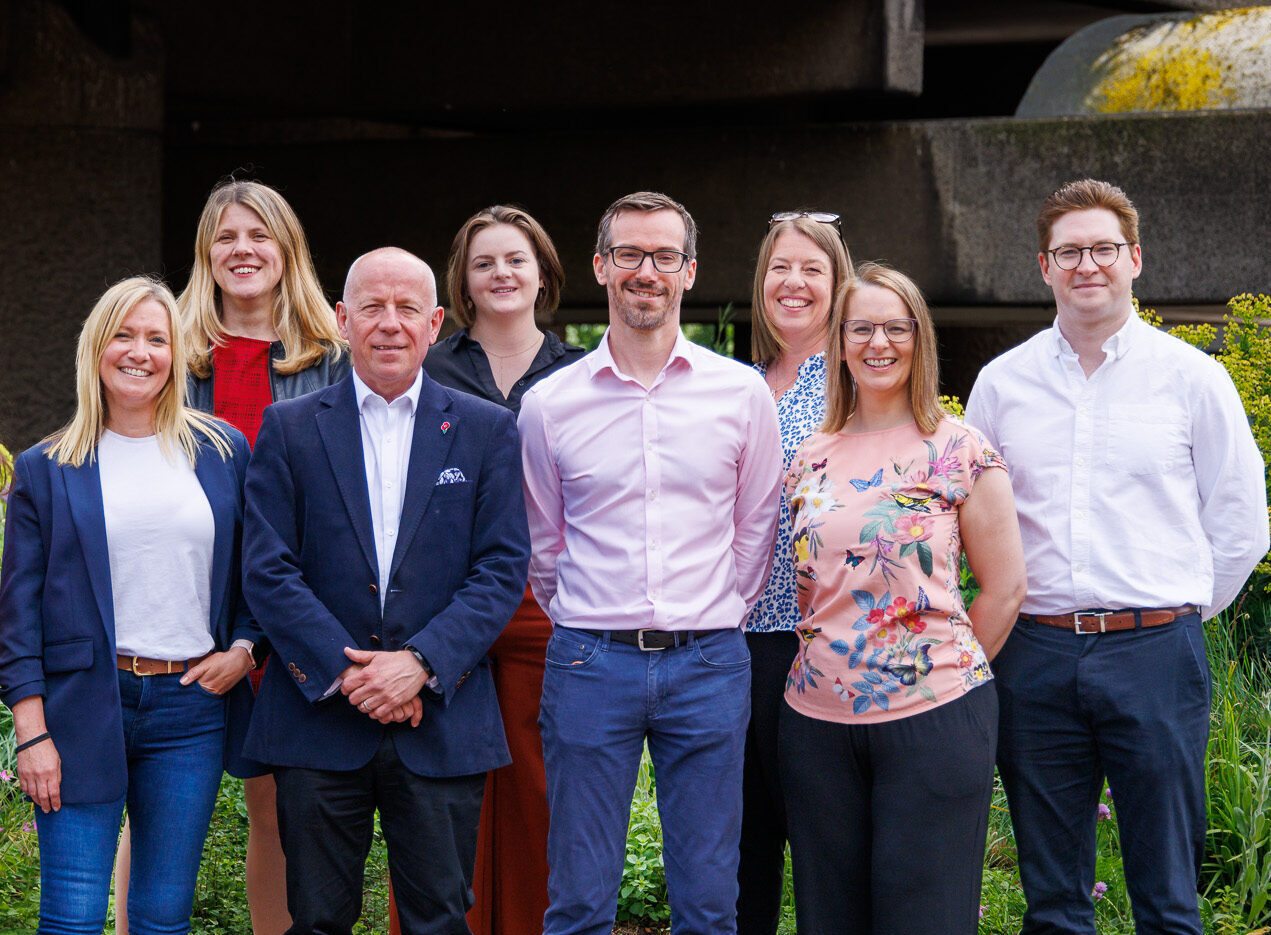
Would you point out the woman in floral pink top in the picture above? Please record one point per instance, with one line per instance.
(890, 730)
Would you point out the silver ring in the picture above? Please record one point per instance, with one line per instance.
(363, 705)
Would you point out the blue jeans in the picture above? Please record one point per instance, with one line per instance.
(1132, 706)
(601, 701)
(174, 736)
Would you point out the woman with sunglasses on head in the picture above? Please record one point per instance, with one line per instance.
(889, 733)
(260, 330)
(504, 277)
(802, 264)
(123, 639)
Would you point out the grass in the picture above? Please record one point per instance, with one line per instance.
(1235, 894)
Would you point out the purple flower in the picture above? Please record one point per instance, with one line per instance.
(1099, 889)
(28, 826)
(6, 776)
(1104, 812)
(981, 910)
(1107, 793)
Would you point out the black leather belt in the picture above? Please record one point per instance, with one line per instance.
(651, 640)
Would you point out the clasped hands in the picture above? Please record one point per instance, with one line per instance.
(385, 685)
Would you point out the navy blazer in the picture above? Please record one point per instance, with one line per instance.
(57, 614)
(311, 577)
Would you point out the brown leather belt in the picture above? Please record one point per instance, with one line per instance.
(1107, 621)
(140, 665)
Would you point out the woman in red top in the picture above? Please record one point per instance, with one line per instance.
(260, 329)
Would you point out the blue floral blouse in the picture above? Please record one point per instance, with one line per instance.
(799, 413)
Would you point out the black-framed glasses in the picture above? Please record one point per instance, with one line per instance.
(664, 261)
(821, 217)
(860, 331)
(1103, 253)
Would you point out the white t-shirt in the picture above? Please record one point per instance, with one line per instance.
(159, 534)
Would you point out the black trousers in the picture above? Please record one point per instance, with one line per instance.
(761, 871)
(326, 822)
(888, 821)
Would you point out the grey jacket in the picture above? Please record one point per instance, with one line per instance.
(331, 369)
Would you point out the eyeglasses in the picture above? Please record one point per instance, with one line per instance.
(821, 217)
(1103, 254)
(860, 331)
(664, 261)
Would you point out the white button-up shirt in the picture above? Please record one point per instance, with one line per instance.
(387, 432)
(1140, 486)
(651, 507)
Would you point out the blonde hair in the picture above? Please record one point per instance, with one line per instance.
(549, 265)
(765, 344)
(303, 318)
(924, 370)
(176, 425)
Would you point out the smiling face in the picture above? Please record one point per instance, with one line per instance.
(503, 274)
(644, 299)
(798, 288)
(1091, 296)
(136, 364)
(880, 366)
(246, 260)
(389, 316)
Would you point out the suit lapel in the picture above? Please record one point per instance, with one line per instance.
(429, 448)
(84, 498)
(215, 477)
(341, 431)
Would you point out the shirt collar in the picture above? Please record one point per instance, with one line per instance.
(362, 392)
(602, 357)
(1115, 347)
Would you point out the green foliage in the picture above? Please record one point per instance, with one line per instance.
(642, 895)
(6, 481)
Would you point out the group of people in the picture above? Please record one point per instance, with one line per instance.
(756, 572)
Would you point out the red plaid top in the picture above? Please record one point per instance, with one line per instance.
(240, 387)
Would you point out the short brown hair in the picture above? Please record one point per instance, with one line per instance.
(924, 371)
(1083, 195)
(765, 344)
(647, 201)
(549, 265)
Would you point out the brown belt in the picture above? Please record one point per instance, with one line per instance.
(140, 665)
(1106, 621)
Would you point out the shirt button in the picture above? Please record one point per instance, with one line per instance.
(653, 494)
(520, 382)
(390, 532)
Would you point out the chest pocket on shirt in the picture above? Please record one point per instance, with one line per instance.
(1146, 439)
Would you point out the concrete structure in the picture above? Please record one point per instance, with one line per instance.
(391, 123)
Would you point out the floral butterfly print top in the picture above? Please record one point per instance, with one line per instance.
(877, 554)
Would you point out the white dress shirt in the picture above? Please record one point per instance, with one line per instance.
(1140, 486)
(387, 432)
(651, 507)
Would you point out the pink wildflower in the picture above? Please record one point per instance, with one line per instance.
(1099, 890)
(1104, 812)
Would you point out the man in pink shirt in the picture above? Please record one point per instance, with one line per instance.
(652, 472)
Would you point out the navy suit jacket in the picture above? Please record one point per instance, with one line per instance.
(57, 614)
(311, 577)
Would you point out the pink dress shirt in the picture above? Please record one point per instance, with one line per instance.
(651, 508)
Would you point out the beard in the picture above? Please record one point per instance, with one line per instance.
(642, 314)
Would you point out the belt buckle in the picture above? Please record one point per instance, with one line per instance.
(1076, 622)
(132, 667)
(640, 642)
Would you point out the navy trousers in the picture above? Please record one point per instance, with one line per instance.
(1132, 706)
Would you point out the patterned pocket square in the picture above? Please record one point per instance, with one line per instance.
(451, 476)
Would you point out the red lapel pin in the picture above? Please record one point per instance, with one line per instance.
(445, 427)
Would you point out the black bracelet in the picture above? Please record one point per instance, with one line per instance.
(32, 742)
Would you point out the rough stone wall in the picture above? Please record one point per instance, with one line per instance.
(80, 160)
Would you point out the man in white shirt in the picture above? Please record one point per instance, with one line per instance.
(385, 549)
(1142, 503)
(651, 479)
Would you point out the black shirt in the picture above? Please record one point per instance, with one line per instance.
(459, 363)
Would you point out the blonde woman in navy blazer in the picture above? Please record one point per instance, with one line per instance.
(97, 730)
